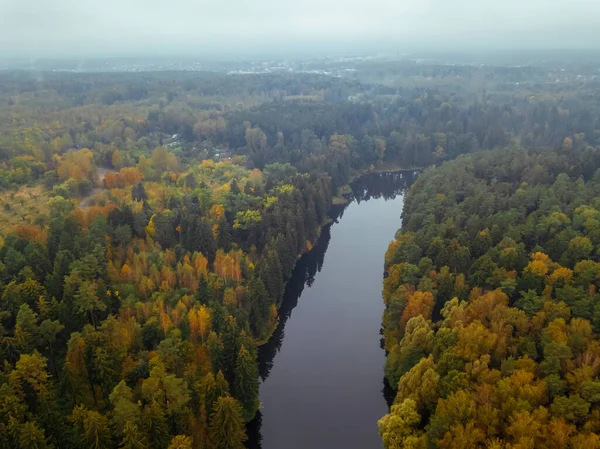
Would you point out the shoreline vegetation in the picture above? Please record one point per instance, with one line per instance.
(491, 317)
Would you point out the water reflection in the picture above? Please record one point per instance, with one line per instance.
(373, 186)
(304, 275)
(381, 185)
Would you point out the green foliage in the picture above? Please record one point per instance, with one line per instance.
(246, 383)
(515, 319)
(226, 425)
(124, 319)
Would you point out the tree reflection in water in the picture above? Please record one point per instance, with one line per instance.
(372, 186)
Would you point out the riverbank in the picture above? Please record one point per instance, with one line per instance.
(330, 314)
(345, 191)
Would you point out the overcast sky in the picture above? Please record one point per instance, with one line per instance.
(132, 27)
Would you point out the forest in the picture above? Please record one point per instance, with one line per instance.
(149, 223)
(492, 310)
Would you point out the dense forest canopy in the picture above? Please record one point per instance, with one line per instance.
(149, 222)
(492, 311)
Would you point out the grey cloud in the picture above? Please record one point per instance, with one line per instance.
(121, 27)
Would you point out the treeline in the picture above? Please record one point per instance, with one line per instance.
(43, 116)
(281, 118)
(414, 128)
(134, 322)
(492, 310)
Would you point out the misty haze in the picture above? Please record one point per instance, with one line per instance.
(85, 28)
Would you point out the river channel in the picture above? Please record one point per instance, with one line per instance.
(321, 372)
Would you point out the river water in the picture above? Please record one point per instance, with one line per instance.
(322, 370)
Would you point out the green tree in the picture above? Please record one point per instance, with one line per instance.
(246, 383)
(398, 429)
(48, 330)
(170, 392)
(32, 437)
(125, 411)
(231, 347)
(227, 429)
(87, 301)
(271, 273)
(26, 328)
(260, 305)
(91, 428)
(132, 437)
(573, 408)
(181, 442)
(155, 425)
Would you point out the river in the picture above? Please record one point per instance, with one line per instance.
(322, 370)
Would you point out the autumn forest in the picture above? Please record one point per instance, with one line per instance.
(149, 224)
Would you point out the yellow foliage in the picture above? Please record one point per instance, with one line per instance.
(561, 276)
(76, 164)
(537, 268)
(229, 297)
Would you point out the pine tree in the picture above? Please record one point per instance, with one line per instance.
(224, 237)
(138, 192)
(310, 220)
(181, 442)
(214, 348)
(230, 348)
(32, 437)
(246, 383)
(227, 429)
(286, 250)
(234, 188)
(125, 410)
(204, 292)
(91, 428)
(221, 385)
(260, 304)
(132, 437)
(271, 273)
(212, 389)
(155, 426)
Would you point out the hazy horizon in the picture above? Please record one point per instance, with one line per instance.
(113, 28)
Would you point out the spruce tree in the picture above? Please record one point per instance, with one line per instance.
(155, 426)
(246, 383)
(227, 428)
(213, 387)
(91, 428)
(132, 437)
(260, 304)
(271, 273)
(230, 347)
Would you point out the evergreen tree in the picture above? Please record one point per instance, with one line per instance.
(246, 383)
(213, 387)
(214, 348)
(32, 437)
(91, 428)
(271, 273)
(260, 305)
(138, 192)
(230, 348)
(132, 437)
(227, 429)
(285, 245)
(204, 293)
(155, 426)
(224, 237)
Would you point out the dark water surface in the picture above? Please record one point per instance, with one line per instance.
(322, 371)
